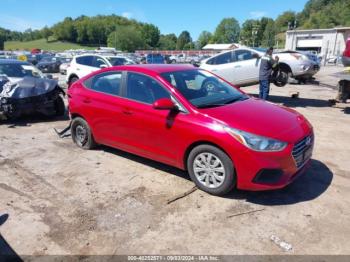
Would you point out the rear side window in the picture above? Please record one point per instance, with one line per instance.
(85, 60)
(98, 62)
(108, 83)
(144, 89)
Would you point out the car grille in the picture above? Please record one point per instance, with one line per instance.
(302, 150)
(316, 67)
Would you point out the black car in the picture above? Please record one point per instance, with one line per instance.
(25, 90)
(49, 64)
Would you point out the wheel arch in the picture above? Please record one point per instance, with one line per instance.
(285, 67)
(198, 143)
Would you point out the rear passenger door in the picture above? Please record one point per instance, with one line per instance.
(101, 100)
(84, 65)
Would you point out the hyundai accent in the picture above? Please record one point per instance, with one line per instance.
(194, 120)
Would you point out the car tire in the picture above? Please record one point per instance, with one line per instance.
(217, 164)
(59, 106)
(282, 78)
(81, 134)
(73, 80)
(173, 61)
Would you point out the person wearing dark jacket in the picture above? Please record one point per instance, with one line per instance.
(266, 66)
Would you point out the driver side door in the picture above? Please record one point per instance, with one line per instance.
(246, 67)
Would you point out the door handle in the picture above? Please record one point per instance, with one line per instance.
(127, 112)
(238, 66)
(78, 69)
(86, 101)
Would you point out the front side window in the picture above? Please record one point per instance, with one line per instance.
(144, 89)
(108, 83)
(242, 55)
(202, 89)
(221, 59)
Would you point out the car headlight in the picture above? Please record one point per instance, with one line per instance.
(255, 142)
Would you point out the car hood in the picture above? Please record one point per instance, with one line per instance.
(261, 118)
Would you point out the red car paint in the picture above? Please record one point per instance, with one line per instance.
(159, 135)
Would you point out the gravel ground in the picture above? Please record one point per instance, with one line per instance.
(63, 200)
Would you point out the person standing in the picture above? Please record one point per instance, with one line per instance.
(266, 66)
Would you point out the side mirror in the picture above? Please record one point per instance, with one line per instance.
(257, 56)
(103, 66)
(164, 104)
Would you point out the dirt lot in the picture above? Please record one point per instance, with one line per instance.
(62, 200)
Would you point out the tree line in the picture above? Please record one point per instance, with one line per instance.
(130, 35)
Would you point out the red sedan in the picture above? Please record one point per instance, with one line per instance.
(193, 120)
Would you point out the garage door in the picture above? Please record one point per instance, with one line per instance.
(309, 43)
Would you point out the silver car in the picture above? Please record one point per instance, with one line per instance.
(241, 66)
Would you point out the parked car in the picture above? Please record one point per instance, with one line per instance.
(83, 65)
(16, 70)
(65, 64)
(346, 54)
(241, 66)
(191, 119)
(155, 59)
(49, 64)
(25, 90)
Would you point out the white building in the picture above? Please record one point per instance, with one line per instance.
(326, 42)
(220, 47)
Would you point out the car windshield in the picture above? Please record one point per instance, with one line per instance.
(115, 61)
(66, 60)
(203, 89)
(49, 59)
(19, 70)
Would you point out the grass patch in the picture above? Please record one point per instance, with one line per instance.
(52, 45)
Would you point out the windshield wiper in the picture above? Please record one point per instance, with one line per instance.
(241, 98)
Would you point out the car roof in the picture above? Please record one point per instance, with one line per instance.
(12, 62)
(157, 68)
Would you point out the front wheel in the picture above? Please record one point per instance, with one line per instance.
(211, 170)
(81, 134)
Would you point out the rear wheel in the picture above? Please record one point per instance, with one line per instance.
(73, 80)
(81, 134)
(211, 170)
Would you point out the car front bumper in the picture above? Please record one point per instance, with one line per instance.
(306, 70)
(257, 171)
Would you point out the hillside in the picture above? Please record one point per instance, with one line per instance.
(325, 14)
(42, 44)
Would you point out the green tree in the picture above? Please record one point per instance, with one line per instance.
(150, 34)
(283, 20)
(2, 40)
(249, 28)
(183, 39)
(168, 42)
(204, 39)
(126, 38)
(227, 31)
(269, 34)
(46, 33)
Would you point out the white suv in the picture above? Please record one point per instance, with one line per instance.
(241, 66)
(83, 65)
